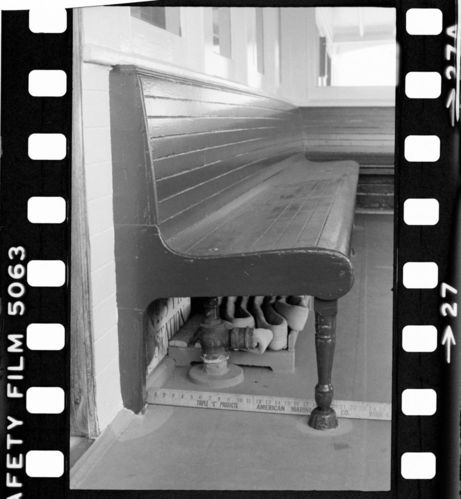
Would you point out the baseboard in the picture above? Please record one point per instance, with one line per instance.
(78, 447)
(371, 211)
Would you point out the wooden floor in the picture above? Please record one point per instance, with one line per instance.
(182, 448)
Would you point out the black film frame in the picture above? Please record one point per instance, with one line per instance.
(21, 178)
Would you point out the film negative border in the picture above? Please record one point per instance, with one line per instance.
(422, 307)
(425, 459)
(35, 206)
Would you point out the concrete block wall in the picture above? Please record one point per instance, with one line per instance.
(98, 176)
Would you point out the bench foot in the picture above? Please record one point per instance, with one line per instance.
(323, 417)
(323, 420)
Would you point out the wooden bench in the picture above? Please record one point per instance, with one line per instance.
(213, 196)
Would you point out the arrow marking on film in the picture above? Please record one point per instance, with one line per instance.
(448, 339)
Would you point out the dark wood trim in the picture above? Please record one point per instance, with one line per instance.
(83, 414)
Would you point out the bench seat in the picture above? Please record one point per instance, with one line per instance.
(301, 205)
(213, 196)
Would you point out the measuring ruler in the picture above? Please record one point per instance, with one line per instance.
(269, 404)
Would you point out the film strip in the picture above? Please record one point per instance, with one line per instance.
(35, 211)
(36, 161)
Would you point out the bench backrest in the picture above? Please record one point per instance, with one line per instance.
(201, 144)
(363, 134)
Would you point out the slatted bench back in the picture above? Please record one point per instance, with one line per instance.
(206, 142)
(363, 134)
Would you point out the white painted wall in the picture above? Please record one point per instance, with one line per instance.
(112, 36)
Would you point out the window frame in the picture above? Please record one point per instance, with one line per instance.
(339, 96)
(223, 34)
(259, 40)
(172, 18)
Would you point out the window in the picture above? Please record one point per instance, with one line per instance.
(357, 46)
(222, 31)
(259, 40)
(324, 64)
(364, 66)
(279, 45)
(167, 18)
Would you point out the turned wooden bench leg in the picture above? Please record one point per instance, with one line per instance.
(323, 417)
